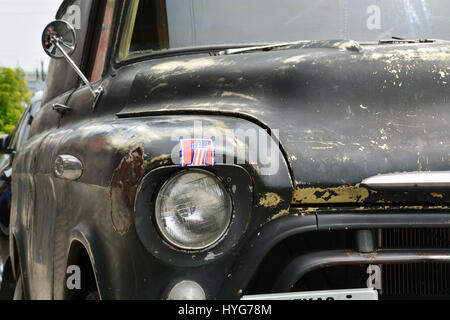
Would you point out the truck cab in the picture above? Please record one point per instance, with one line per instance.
(230, 150)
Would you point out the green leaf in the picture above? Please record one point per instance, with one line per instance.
(14, 96)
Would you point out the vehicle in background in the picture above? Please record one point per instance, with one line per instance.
(9, 146)
(5, 192)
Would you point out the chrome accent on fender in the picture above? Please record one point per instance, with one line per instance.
(61, 108)
(346, 294)
(68, 167)
(409, 180)
(98, 93)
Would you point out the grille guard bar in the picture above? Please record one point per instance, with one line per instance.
(306, 263)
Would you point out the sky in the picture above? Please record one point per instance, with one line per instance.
(21, 26)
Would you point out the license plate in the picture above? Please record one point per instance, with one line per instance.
(346, 294)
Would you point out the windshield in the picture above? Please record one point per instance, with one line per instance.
(168, 24)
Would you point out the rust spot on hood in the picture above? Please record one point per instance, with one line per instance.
(124, 184)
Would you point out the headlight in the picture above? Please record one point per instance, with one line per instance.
(193, 210)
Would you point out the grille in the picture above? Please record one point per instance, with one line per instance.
(416, 280)
(415, 239)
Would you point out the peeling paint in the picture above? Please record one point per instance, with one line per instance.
(280, 214)
(348, 45)
(364, 209)
(296, 59)
(211, 256)
(270, 200)
(341, 194)
(164, 158)
(414, 55)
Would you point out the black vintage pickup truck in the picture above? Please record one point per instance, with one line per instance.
(238, 150)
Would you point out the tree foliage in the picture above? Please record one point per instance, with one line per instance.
(14, 95)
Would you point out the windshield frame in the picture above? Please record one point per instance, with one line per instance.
(127, 20)
(122, 55)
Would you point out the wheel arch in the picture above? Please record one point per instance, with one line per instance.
(80, 254)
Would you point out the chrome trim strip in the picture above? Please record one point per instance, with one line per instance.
(409, 180)
(346, 294)
(94, 92)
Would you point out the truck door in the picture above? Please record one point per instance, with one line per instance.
(36, 166)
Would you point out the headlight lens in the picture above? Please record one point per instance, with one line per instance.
(193, 210)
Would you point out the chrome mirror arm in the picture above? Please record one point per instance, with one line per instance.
(95, 92)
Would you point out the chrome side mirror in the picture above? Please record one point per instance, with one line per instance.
(59, 37)
(59, 41)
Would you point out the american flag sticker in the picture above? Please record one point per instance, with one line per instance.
(197, 152)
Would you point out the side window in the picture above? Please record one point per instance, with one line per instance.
(150, 29)
(104, 31)
(146, 28)
(61, 78)
(25, 127)
(17, 135)
(24, 132)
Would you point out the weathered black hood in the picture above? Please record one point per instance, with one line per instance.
(345, 112)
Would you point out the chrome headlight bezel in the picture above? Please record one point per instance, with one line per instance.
(202, 242)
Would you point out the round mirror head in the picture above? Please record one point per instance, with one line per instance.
(62, 33)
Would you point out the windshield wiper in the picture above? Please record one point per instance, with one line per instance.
(267, 47)
(397, 40)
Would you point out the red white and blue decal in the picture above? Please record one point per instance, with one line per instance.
(197, 152)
